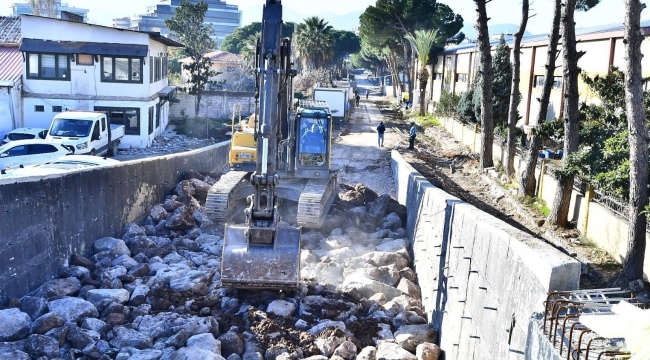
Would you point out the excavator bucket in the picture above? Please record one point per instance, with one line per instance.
(273, 264)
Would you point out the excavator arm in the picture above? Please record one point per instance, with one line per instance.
(260, 253)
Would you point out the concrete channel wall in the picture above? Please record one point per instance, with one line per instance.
(595, 221)
(481, 278)
(44, 221)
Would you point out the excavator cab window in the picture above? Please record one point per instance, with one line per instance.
(314, 132)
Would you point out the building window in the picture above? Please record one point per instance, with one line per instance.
(48, 66)
(56, 109)
(461, 78)
(165, 65)
(39, 108)
(157, 115)
(85, 59)
(130, 117)
(150, 120)
(121, 69)
(157, 68)
(151, 69)
(557, 82)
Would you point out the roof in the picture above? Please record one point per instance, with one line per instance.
(219, 56)
(81, 115)
(11, 64)
(82, 47)
(592, 30)
(9, 30)
(152, 34)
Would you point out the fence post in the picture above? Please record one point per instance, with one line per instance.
(540, 183)
(474, 142)
(589, 195)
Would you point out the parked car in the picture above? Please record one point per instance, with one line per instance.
(61, 165)
(26, 133)
(87, 132)
(31, 152)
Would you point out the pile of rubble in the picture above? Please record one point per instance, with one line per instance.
(169, 145)
(156, 293)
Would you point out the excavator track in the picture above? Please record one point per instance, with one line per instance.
(315, 201)
(221, 195)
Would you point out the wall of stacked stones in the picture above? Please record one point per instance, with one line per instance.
(481, 278)
(44, 221)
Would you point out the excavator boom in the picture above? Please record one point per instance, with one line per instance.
(260, 253)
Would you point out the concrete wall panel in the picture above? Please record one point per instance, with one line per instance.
(490, 276)
(53, 217)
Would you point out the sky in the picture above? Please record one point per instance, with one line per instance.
(500, 11)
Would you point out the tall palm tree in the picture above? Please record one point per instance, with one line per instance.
(423, 41)
(250, 47)
(315, 43)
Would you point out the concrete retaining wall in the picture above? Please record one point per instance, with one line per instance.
(44, 221)
(214, 104)
(481, 278)
(595, 221)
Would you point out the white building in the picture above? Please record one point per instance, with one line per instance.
(10, 75)
(58, 9)
(78, 66)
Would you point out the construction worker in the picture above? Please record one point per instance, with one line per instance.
(380, 134)
(412, 134)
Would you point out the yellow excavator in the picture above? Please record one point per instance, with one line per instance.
(281, 153)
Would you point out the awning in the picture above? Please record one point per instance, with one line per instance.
(167, 94)
(80, 47)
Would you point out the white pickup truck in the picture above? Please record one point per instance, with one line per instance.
(88, 132)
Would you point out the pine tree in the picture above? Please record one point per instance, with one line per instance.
(502, 83)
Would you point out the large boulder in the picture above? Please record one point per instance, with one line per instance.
(391, 221)
(392, 351)
(113, 295)
(40, 345)
(73, 309)
(409, 288)
(46, 323)
(367, 353)
(194, 281)
(58, 288)
(81, 338)
(281, 308)
(410, 336)
(181, 219)
(398, 246)
(346, 350)
(113, 245)
(427, 351)
(34, 306)
(201, 189)
(205, 342)
(125, 337)
(133, 231)
(360, 286)
(194, 353)
(158, 213)
(380, 258)
(14, 325)
(231, 343)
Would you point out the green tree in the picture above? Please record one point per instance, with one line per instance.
(423, 41)
(187, 23)
(466, 106)
(236, 42)
(315, 43)
(562, 199)
(502, 83)
(388, 21)
(638, 140)
(345, 43)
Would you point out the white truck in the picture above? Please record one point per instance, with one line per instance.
(88, 132)
(337, 100)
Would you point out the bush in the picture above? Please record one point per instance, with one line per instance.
(448, 105)
(427, 121)
(466, 107)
